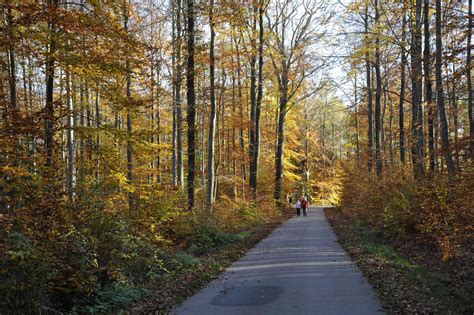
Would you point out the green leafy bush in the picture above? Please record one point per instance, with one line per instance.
(24, 275)
(113, 297)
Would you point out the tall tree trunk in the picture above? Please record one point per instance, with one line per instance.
(25, 83)
(440, 94)
(158, 127)
(220, 123)
(378, 93)
(253, 103)
(323, 138)
(13, 110)
(356, 107)
(26, 100)
(151, 114)
(174, 160)
(428, 87)
(12, 63)
(255, 97)
(392, 153)
(177, 100)
(454, 107)
(436, 138)
(191, 111)
(63, 133)
(129, 142)
(89, 122)
(212, 118)
(241, 116)
(418, 152)
(131, 197)
(279, 152)
(82, 124)
(401, 109)
(469, 81)
(234, 136)
(256, 153)
(383, 142)
(202, 121)
(71, 161)
(370, 136)
(279, 157)
(49, 108)
(97, 124)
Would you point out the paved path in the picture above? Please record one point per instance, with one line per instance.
(299, 269)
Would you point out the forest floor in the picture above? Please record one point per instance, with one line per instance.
(408, 276)
(167, 294)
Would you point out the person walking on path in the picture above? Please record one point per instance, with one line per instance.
(304, 205)
(298, 207)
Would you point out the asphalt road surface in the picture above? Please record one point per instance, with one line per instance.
(299, 269)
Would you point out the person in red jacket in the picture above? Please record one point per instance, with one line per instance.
(304, 205)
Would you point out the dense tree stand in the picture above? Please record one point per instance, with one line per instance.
(144, 145)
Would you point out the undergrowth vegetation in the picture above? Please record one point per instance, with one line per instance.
(99, 258)
(437, 211)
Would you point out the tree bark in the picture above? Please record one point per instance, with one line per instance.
(158, 124)
(428, 86)
(356, 107)
(71, 161)
(370, 136)
(220, 124)
(12, 70)
(401, 109)
(241, 117)
(279, 158)
(253, 104)
(469, 81)
(234, 136)
(49, 70)
(280, 149)
(391, 112)
(440, 94)
(97, 124)
(177, 104)
(89, 122)
(454, 108)
(258, 104)
(212, 118)
(417, 149)
(191, 102)
(378, 94)
(131, 197)
(174, 153)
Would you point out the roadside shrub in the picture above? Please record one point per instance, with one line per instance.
(113, 297)
(24, 275)
(447, 212)
(175, 262)
(437, 210)
(75, 261)
(204, 238)
(396, 218)
(95, 255)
